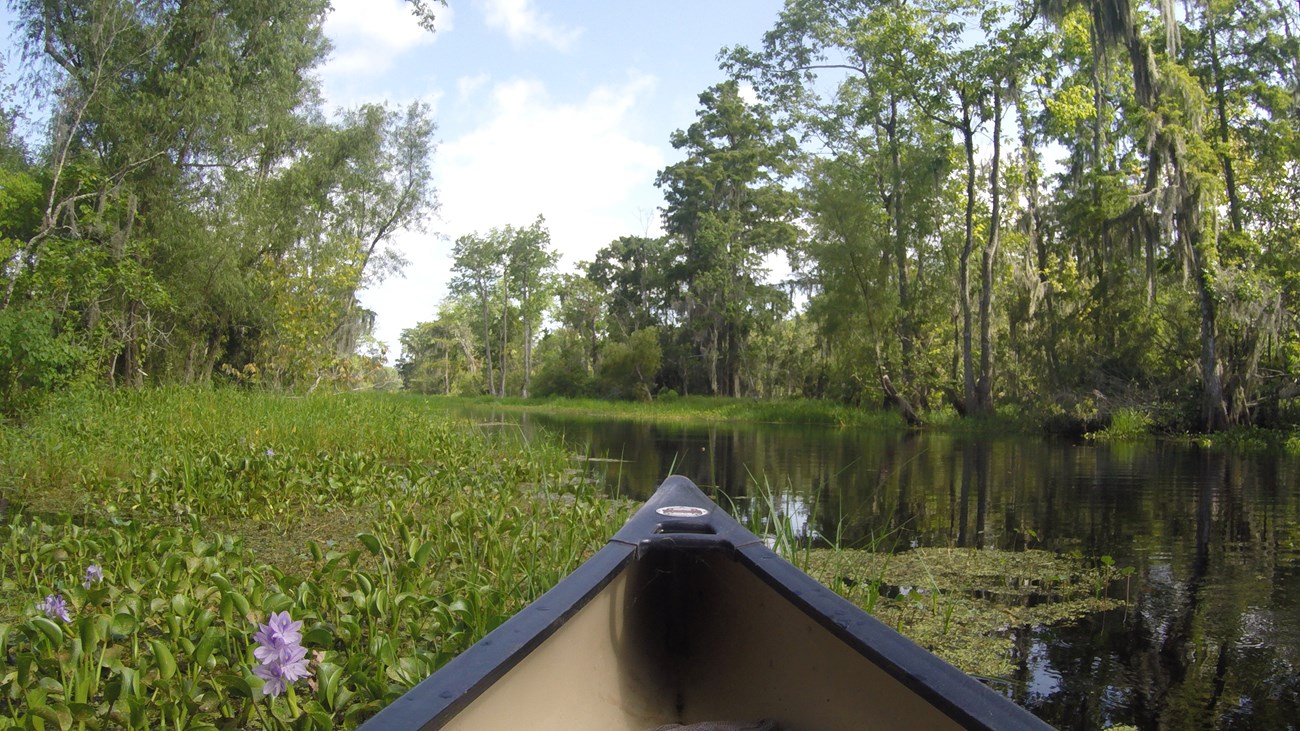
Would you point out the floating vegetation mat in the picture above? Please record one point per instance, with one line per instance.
(220, 559)
(963, 603)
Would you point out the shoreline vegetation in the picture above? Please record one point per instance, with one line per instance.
(152, 542)
(395, 534)
(1124, 424)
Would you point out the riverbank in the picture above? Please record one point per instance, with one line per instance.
(1121, 425)
(689, 408)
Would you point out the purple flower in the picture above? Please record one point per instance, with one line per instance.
(281, 654)
(55, 608)
(270, 452)
(94, 575)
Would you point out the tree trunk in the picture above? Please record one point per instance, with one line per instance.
(895, 398)
(487, 344)
(984, 396)
(527, 327)
(1214, 410)
(968, 244)
(528, 356)
(1221, 103)
(505, 316)
(906, 328)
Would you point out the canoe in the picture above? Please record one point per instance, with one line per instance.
(685, 617)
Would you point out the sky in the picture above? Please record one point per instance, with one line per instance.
(559, 108)
(562, 108)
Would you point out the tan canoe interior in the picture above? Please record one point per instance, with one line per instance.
(703, 639)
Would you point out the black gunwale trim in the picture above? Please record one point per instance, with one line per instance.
(442, 695)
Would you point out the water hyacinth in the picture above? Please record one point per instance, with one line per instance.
(55, 607)
(281, 654)
(94, 575)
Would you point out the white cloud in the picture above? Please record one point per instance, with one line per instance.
(369, 35)
(521, 22)
(467, 85)
(578, 164)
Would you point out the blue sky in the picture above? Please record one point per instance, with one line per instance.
(557, 108)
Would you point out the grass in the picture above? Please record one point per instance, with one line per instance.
(398, 535)
(1126, 424)
(695, 408)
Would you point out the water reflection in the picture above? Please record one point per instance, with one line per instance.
(1211, 639)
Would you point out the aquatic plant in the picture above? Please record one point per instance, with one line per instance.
(282, 658)
(55, 607)
(966, 604)
(394, 534)
(1125, 424)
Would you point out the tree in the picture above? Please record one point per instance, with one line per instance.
(509, 273)
(209, 212)
(634, 271)
(477, 273)
(580, 308)
(628, 368)
(849, 74)
(531, 268)
(726, 210)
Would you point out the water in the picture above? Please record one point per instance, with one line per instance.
(1211, 638)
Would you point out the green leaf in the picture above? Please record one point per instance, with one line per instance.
(371, 543)
(203, 650)
(422, 554)
(57, 714)
(163, 657)
(89, 631)
(49, 629)
(318, 637)
(235, 685)
(124, 624)
(221, 582)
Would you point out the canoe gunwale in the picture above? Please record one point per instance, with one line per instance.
(959, 696)
(658, 529)
(438, 698)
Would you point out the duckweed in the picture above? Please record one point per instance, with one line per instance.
(965, 604)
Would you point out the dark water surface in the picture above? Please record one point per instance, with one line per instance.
(1211, 639)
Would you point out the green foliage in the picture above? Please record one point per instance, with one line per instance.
(507, 276)
(1125, 424)
(195, 212)
(35, 360)
(726, 210)
(628, 370)
(399, 537)
(564, 370)
(674, 407)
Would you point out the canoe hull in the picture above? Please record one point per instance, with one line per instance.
(694, 619)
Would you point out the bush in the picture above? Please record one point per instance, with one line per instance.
(628, 370)
(563, 371)
(34, 360)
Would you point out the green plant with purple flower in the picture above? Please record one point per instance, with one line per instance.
(208, 584)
